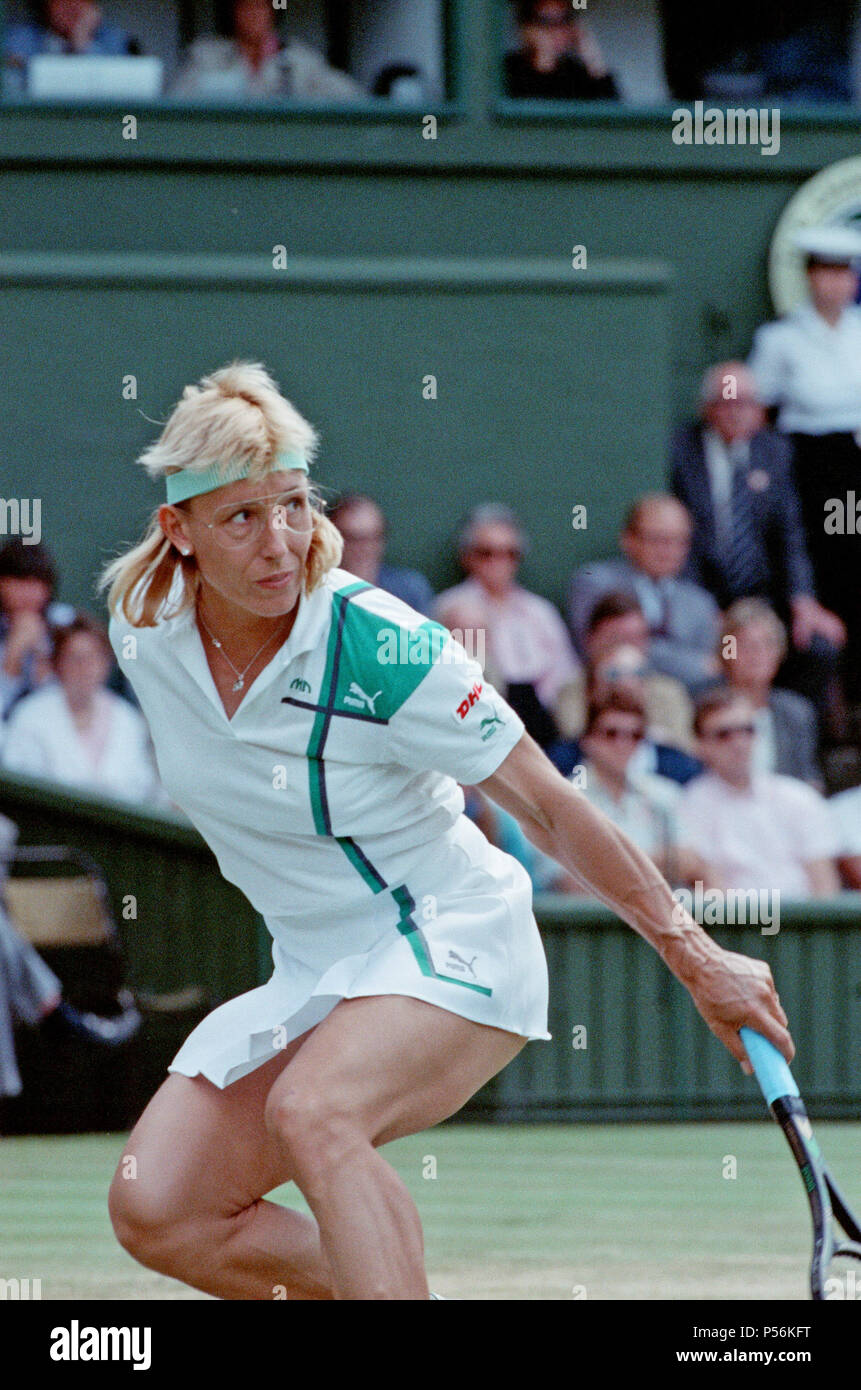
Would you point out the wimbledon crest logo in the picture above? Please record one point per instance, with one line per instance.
(832, 198)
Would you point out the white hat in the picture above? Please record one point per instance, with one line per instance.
(834, 245)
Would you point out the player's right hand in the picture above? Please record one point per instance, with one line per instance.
(733, 991)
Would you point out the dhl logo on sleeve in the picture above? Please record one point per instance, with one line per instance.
(471, 699)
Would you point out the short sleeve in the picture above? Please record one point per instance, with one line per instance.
(454, 722)
(846, 816)
(814, 817)
(767, 364)
(693, 825)
(23, 747)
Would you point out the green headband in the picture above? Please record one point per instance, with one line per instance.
(189, 482)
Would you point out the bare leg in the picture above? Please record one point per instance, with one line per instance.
(186, 1198)
(375, 1069)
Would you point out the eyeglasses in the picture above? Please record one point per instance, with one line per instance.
(238, 524)
(728, 730)
(489, 552)
(615, 734)
(625, 673)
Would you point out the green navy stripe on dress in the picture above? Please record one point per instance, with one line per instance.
(409, 928)
(359, 631)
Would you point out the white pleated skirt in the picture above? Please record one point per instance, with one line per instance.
(459, 933)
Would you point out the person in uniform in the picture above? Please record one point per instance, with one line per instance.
(808, 364)
(315, 729)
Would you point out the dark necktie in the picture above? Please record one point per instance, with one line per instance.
(662, 589)
(744, 570)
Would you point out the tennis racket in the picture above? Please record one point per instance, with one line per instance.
(828, 1273)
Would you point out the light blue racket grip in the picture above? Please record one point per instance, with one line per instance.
(771, 1071)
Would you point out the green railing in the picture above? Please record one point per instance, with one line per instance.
(627, 1042)
(180, 923)
(647, 1052)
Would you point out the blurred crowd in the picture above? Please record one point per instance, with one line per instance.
(705, 690)
(704, 686)
(551, 51)
(60, 718)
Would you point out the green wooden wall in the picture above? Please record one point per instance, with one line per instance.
(407, 256)
(647, 1053)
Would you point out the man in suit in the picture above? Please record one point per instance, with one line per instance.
(683, 618)
(735, 477)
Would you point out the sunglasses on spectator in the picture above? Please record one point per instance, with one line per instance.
(616, 734)
(488, 552)
(625, 673)
(727, 731)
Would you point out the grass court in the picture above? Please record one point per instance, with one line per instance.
(560, 1212)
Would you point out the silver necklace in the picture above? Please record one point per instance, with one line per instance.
(239, 683)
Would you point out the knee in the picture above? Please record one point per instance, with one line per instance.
(316, 1132)
(140, 1218)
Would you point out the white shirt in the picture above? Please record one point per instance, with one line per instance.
(216, 68)
(764, 756)
(42, 740)
(846, 814)
(760, 838)
(527, 639)
(811, 370)
(336, 774)
(645, 811)
(721, 463)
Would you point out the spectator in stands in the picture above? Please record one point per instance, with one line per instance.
(623, 667)
(403, 84)
(31, 993)
(787, 734)
(28, 580)
(62, 26)
(558, 58)
(806, 57)
(808, 364)
(640, 803)
(789, 51)
(617, 652)
(249, 58)
(76, 731)
(846, 815)
(683, 618)
(527, 646)
(759, 830)
(734, 475)
(363, 528)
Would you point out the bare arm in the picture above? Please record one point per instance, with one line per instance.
(729, 990)
(823, 878)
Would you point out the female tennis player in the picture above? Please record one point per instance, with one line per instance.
(315, 730)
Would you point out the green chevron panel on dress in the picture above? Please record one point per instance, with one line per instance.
(381, 662)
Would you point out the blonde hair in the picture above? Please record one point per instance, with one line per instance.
(744, 612)
(234, 414)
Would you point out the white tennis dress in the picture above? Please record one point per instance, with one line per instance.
(330, 799)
